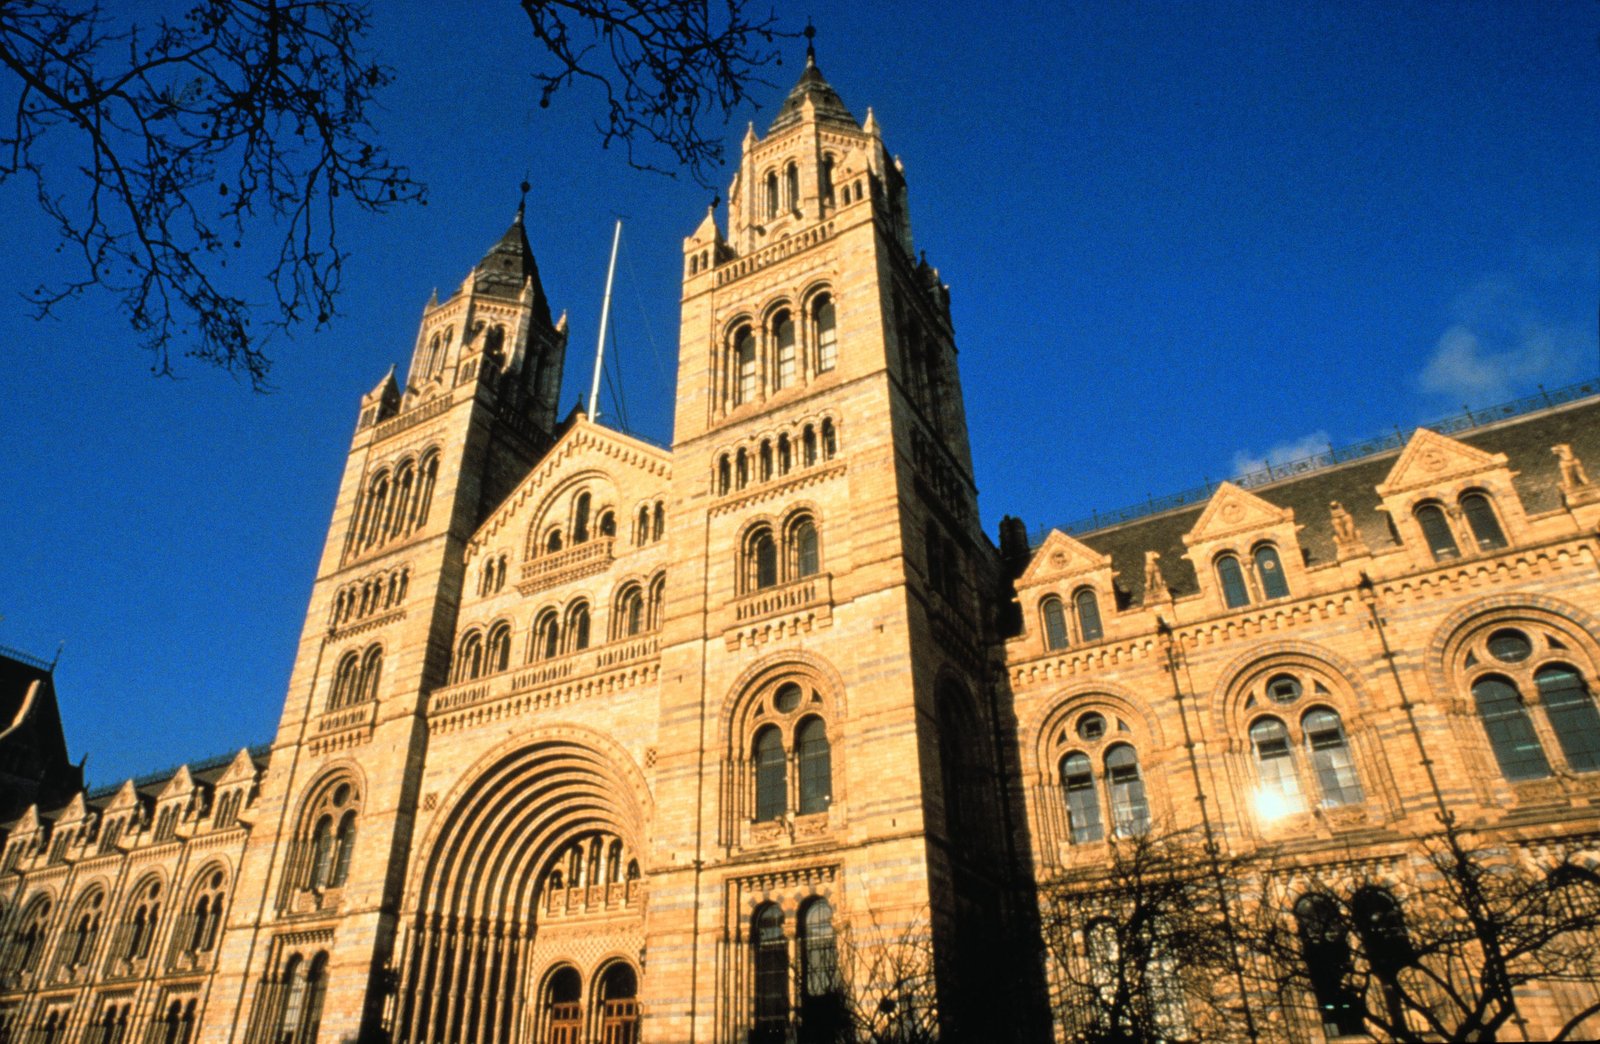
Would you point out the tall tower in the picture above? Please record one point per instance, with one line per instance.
(314, 918)
(827, 726)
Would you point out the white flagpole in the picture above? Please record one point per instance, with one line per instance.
(605, 315)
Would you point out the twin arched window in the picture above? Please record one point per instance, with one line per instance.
(650, 525)
(811, 765)
(1287, 750)
(1514, 664)
(763, 567)
(198, 933)
(1269, 575)
(355, 680)
(302, 985)
(1121, 784)
(327, 838)
(1482, 522)
(1086, 608)
(818, 984)
(396, 505)
(139, 922)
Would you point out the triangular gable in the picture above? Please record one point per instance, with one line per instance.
(180, 783)
(125, 798)
(583, 437)
(1430, 458)
(1234, 510)
(707, 232)
(1060, 556)
(76, 809)
(28, 822)
(241, 769)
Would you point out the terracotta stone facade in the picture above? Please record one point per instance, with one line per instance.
(589, 739)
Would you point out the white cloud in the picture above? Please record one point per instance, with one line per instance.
(1245, 462)
(1467, 369)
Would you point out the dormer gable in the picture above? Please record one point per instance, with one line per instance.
(27, 823)
(1430, 459)
(75, 811)
(180, 785)
(1062, 557)
(1448, 500)
(242, 769)
(1245, 550)
(126, 798)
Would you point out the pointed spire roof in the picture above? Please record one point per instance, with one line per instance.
(829, 106)
(508, 266)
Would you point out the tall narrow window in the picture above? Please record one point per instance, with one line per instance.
(785, 455)
(1083, 806)
(497, 655)
(630, 612)
(792, 177)
(1330, 758)
(1436, 531)
(321, 853)
(371, 670)
(1269, 571)
(316, 990)
(772, 799)
(1516, 746)
(469, 658)
(741, 469)
(1280, 786)
(815, 758)
(826, 174)
(1234, 592)
(830, 440)
(1482, 521)
(1570, 710)
(772, 194)
(344, 845)
(822, 313)
(1088, 607)
(783, 335)
(1326, 951)
(808, 446)
(771, 959)
(580, 519)
(763, 564)
(547, 635)
(1130, 810)
(744, 356)
(578, 626)
(1055, 623)
(803, 535)
(724, 475)
(764, 456)
(821, 999)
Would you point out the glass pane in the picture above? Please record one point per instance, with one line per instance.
(1436, 531)
(827, 337)
(1330, 759)
(1510, 646)
(1083, 805)
(1285, 688)
(805, 540)
(816, 767)
(1234, 593)
(1089, 616)
(1055, 624)
(1511, 736)
(1130, 810)
(786, 354)
(1572, 715)
(1269, 570)
(1480, 517)
(1280, 785)
(771, 797)
(1091, 727)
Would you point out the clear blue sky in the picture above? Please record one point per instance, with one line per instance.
(1180, 238)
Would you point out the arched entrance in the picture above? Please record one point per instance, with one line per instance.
(563, 1007)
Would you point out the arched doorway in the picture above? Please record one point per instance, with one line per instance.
(563, 1007)
(619, 1005)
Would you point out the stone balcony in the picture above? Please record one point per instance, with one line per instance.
(552, 681)
(798, 605)
(559, 567)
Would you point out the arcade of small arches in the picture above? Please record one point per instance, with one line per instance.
(779, 765)
(395, 501)
(606, 1009)
(774, 458)
(635, 609)
(367, 597)
(762, 359)
(584, 522)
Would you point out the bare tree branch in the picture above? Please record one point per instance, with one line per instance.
(158, 148)
(672, 71)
